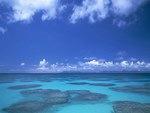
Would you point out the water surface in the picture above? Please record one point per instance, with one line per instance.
(62, 82)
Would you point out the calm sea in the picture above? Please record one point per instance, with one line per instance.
(116, 87)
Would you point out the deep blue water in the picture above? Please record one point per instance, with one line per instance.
(61, 82)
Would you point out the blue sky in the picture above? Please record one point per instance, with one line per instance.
(75, 35)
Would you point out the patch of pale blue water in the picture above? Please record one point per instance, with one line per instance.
(8, 96)
(88, 108)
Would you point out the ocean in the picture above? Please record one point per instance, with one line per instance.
(75, 93)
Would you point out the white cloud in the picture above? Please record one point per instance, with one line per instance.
(126, 7)
(43, 65)
(93, 62)
(3, 30)
(55, 68)
(24, 10)
(94, 66)
(97, 10)
(22, 64)
(97, 63)
(92, 9)
(124, 64)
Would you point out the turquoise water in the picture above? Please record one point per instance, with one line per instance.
(60, 82)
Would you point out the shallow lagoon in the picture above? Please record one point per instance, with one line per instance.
(63, 82)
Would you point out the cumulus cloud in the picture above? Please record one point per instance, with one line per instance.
(95, 65)
(43, 65)
(97, 10)
(124, 65)
(93, 62)
(3, 30)
(60, 67)
(24, 10)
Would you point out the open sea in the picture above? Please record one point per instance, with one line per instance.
(75, 93)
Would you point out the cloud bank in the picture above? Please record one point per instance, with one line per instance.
(98, 10)
(93, 10)
(24, 10)
(95, 65)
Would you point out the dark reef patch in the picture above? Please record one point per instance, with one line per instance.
(25, 86)
(56, 100)
(92, 84)
(131, 107)
(34, 106)
(26, 107)
(47, 98)
(50, 97)
(142, 89)
(45, 92)
(85, 95)
(75, 95)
